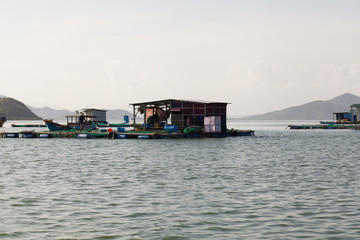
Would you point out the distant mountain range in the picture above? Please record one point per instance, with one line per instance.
(50, 113)
(316, 110)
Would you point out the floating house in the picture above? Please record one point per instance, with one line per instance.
(98, 114)
(342, 116)
(350, 117)
(341, 120)
(355, 111)
(183, 114)
(95, 116)
(163, 119)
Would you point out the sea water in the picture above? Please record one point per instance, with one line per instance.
(280, 184)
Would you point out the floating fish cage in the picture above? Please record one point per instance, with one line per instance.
(170, 133)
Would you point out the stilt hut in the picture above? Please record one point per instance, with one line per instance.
(96, 116)
(99, 114)
(182, 113)
(355, 110)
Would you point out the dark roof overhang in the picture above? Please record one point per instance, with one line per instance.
(168, 101)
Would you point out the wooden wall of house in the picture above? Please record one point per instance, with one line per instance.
(192, 113)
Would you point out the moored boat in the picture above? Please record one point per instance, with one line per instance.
(53, 126)
(89, 119)
(87, 125)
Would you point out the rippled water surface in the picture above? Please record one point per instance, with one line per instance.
(280, 184)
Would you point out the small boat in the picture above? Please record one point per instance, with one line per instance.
(2, 119)
(53, 126)
(93, 118)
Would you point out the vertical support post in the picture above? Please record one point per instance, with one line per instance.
(134, 116)
(145, 116)
(167, 109)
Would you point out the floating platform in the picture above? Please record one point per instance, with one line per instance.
(86, 134)
(339, 122)
(121, 125)
(323, 126)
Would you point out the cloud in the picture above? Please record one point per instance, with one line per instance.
(258, 56)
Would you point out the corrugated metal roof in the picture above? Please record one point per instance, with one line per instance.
(168, 101)
(89, 109)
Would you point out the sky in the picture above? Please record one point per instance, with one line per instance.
(258, 55)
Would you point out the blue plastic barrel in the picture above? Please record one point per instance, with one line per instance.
(171, 128)
(121, 136)
(45, 135)
(12, 135)
(143, 136)
(29, 135)
(121, 129)
(126, 118)
(83, 135)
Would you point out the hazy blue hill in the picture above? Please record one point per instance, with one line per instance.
(16, 110)
(118, 115)
(345, 100)
(316, 110)
(50, 113)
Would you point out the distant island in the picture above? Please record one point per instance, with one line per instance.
(16, 110)
(316, 110)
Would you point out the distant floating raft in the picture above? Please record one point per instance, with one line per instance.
(323, 126)
(28, 125)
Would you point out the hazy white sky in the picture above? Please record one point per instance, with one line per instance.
(259, 55)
